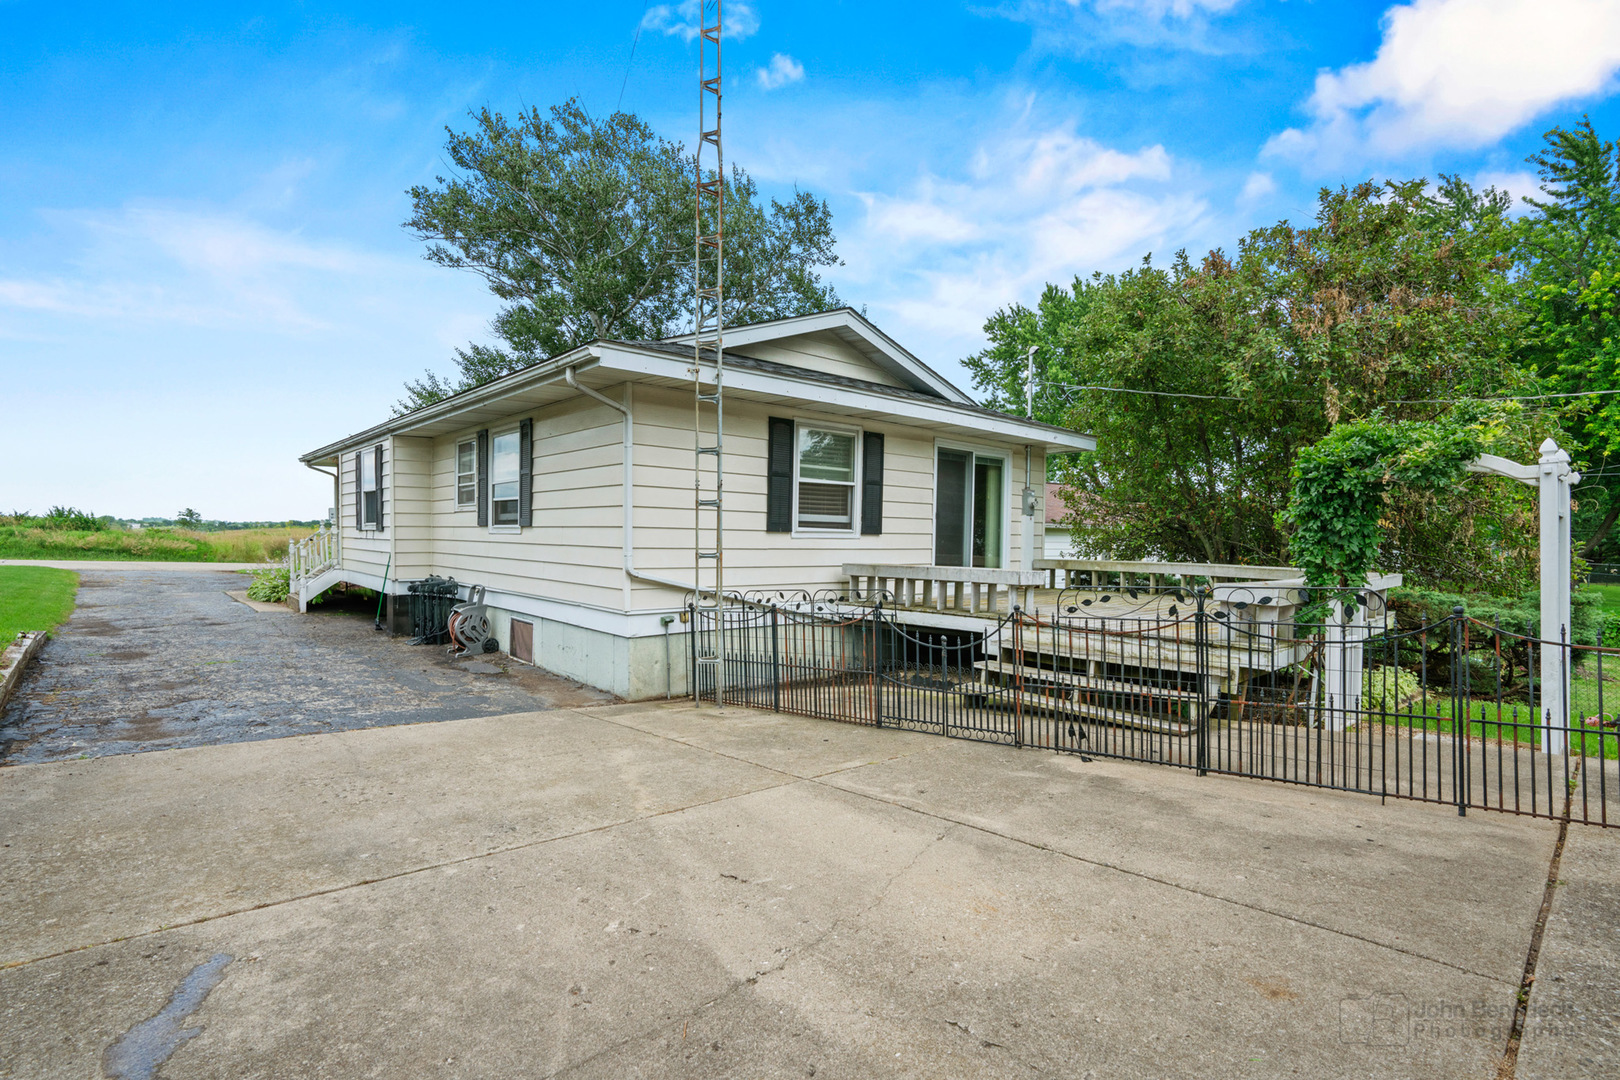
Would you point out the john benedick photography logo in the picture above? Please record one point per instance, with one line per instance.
(1394, 1020)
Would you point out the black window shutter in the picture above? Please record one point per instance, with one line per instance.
(359, 495)
(525, 473)
(779, 485)
(483, 478)
(872, 485)
(379, 465)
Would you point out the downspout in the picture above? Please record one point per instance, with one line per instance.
(337, 505)
(629, 484)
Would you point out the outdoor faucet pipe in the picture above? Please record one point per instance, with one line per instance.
(629, 482)
(669, 685)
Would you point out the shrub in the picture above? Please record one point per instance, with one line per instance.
(1515, 614)
(1387, 688)
(270, 586)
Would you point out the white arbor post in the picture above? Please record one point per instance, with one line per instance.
(1343, 661)
(1553, 478)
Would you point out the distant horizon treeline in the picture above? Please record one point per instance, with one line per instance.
(71, 518)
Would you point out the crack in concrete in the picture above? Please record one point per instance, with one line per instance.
(820, 778)
(771, 969)
(1510, 1056)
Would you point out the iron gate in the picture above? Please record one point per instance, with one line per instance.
(1334, 696)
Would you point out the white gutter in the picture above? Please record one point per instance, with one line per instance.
(629, 482)
(337, 503)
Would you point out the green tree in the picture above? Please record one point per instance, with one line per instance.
(1569, 255)
(190, 518)
(584, 227)
(1394, 297)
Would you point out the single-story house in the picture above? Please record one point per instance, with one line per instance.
(566, 489)
(1057, 543)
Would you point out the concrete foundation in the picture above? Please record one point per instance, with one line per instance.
(633, 668)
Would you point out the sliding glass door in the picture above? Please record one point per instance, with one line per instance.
(970, 501)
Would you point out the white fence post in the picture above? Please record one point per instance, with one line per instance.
(1556, 657)
(1552, 478)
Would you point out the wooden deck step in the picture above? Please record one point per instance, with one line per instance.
(1084, 682)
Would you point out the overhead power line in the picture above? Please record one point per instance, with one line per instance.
(1302, 401)
(633, 43)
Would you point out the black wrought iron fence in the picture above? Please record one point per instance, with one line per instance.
(1323, 690)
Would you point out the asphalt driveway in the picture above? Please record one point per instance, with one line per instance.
(653, 891)
(161, 658)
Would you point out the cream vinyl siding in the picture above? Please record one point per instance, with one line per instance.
(367, 551)
(572, 551)
(756, 559)
(411, 531)
(820, 352)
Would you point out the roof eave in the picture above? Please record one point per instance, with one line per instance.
(627, 358)
(543, 372)
(850, 318)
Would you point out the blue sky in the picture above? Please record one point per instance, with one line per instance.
(202, 272)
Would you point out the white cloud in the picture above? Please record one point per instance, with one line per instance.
(153, 319)
(1158, 9)
(685, 19)
(1258, 186)
(783, 70)
(1033, 206)
(1100, 26)
(155, 264)
(1517, 183)
(1459, 73)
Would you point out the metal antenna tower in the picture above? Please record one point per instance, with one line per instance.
(708, 363)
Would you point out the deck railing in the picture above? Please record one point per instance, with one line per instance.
(967, 590)
(1096, 573)
(312, 556)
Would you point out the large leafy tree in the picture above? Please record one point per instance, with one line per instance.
(1218, 372)
(584, 227)
(1569, 255)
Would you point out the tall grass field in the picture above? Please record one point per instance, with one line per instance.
(34, 598)
(29, 541)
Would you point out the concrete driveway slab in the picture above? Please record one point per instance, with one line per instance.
(1572, 1027)
(757, 736)
(1327, 858)
(117, 846)
(723, 918)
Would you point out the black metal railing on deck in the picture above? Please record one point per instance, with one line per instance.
(1317, 689)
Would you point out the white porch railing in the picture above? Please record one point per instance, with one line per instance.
(1094, 573)
(311, 557)
(950, 589)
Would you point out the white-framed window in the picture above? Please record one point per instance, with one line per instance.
(467, 475)
(826, 468)
(370, 489)
(504, 452)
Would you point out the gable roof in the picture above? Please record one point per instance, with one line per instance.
(852, 329)
(921, 403)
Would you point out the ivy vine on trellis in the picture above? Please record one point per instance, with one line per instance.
(1340, 483)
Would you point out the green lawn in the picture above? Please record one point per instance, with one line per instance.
(34, 598)
(1610, 595)
(1513, 722)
